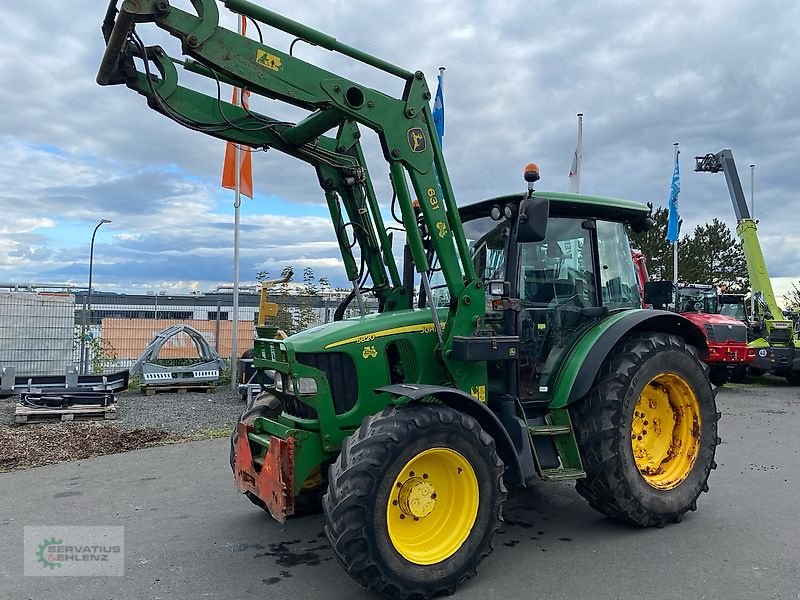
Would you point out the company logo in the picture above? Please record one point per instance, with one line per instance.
(369, 352)
(45, 556)
(416, 140)
(73, 550)
(762, 353)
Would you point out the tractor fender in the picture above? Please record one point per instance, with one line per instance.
(580, 368)
(463, 402)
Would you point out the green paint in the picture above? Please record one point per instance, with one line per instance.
(578, 353)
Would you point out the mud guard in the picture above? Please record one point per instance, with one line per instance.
(521, 467)
(582, 365)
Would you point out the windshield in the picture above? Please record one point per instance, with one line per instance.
(737, 311)
(487, 242)
(697, 300)
(618, 282)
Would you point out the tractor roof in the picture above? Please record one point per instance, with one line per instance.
(571, 205)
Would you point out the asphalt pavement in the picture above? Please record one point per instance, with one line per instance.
(188, 534)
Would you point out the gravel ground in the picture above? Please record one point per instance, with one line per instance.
(141, 421)
(180, 414)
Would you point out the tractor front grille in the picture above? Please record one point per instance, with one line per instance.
(341, 373)
(780, 336)
(718, 332)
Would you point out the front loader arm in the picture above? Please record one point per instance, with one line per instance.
(404, 127)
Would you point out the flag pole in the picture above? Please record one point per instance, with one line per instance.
(675, 248)
(237, 203)
(579, 153)
(752, 216)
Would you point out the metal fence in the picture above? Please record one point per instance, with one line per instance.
(42, 333)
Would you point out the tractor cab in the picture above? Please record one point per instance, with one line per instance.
(550, 274)
(698, 298)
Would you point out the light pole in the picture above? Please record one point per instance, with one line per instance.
(85, 353)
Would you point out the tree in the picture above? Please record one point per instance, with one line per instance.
(283, 320)
(715, 257)
(301, 315)
(306, 317)
(710, 255)
(791, 299)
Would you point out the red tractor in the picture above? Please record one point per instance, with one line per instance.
(726, 336)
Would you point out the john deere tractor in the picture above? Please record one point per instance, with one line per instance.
(526, 356)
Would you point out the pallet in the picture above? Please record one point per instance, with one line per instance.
(152, 390)
(76, 412)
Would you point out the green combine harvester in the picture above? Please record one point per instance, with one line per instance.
(526, 357)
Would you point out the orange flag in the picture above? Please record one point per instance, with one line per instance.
(245, 155)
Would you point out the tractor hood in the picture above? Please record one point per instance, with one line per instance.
(359, 330)
(701, 318)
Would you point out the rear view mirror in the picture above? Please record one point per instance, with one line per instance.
(642, 225)
(533, 220)
(659, 293)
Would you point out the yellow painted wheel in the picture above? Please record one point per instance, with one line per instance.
(665, 431)
(432, 506)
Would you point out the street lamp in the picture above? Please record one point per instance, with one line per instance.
(85, 353)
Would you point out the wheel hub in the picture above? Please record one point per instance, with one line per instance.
(665, 431)
(417, 498)
(432, 506)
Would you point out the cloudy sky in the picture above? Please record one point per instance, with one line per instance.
(644, 74)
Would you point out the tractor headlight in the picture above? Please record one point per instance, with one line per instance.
(306, 386)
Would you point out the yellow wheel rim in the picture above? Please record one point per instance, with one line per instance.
(665, 432)
(432, 506)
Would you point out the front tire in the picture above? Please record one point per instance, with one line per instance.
(647, 431)
(414, 501)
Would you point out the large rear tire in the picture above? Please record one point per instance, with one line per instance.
(414, 501)
(647, 431)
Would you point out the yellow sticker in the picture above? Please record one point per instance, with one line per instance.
(265, 59)
(479, 392)
(369, 352)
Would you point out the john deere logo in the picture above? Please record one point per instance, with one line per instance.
(416, 140)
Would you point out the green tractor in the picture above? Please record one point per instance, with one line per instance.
(525, 356)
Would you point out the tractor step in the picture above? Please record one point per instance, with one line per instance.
(549, 429)
(562, 474)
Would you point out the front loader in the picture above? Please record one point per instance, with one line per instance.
(526, 357)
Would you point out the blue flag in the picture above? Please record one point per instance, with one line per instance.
(674, 217)
(438, 108)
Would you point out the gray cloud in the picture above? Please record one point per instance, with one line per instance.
(517, 72)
